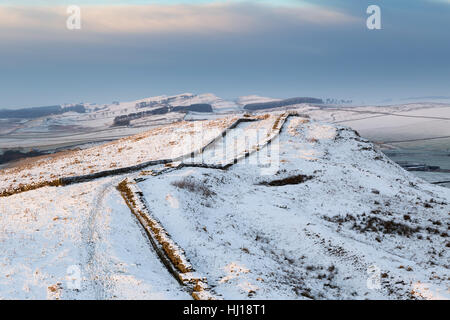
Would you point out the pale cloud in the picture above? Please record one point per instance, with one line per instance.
(29, 18)
(203, 18)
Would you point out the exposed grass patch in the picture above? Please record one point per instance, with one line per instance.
(287, 181)
(375, 224)
(127, 194)
(159, 233)
(277, 122)
(191, 185)
(28, 187)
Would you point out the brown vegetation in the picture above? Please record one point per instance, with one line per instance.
(159, 233)
(194, 186)
(23, 188)
(287, 181)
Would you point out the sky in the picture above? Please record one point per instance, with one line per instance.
(128, 50)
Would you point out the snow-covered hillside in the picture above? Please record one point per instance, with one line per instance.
(101, 123)
(97, 123)
(391, 123)
(334, 208)
(166, 142)
(242, 101)
(310, 211)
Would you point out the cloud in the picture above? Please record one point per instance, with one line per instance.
(146, 2)
(182, 18)
(231, 49)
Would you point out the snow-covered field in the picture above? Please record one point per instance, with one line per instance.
(378, 123)
(165, 142)
(391, 123)
(319, 213)
(96, 124)
(313, 239)
(50, 236)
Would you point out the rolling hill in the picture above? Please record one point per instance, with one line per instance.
(279, 205)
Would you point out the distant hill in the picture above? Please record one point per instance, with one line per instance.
(282, 103)
(272, 206)
(37, 112)
(12, 155)
(125, 120)
(197, 107)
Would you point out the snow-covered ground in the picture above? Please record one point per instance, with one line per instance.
(96, 124)
(161, 143)
(391, 123)
(318, 213)
(245, 137)
(355, 213)
(443, 178)
(242, 101)
(378, 123)
(53, 237)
